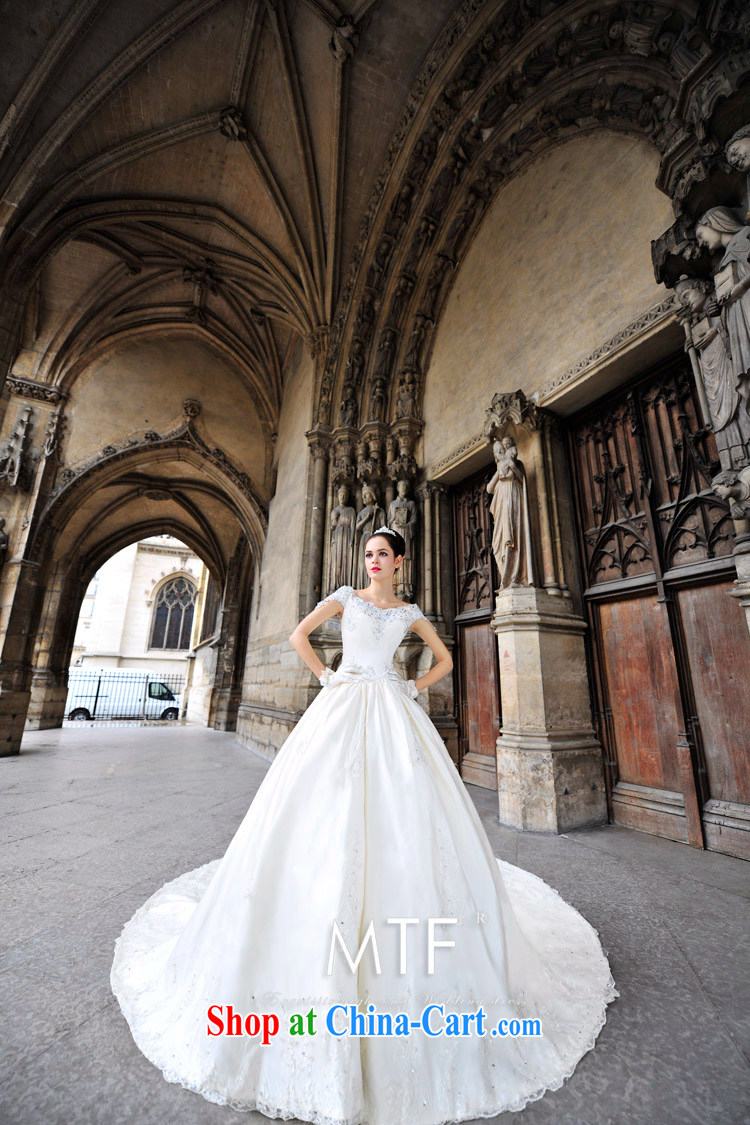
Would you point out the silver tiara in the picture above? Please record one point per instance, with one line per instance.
(382, 528)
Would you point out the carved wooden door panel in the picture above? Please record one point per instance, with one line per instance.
(718, 652)
(642, 705)
(475, 652)
(669, 648)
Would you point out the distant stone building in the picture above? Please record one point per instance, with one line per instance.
(271, 271)
(140, 609)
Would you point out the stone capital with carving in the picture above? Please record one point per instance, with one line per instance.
(40, 392)
(319, 442)
(426, 489)
(516, 408)
(317, 340)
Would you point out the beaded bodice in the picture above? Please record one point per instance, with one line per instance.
(370, 634)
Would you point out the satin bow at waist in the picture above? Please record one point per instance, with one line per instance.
(349, 673)
(367, 673)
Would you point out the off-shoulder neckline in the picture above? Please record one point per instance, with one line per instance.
(384, 608)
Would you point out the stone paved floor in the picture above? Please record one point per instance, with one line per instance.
(95, 821)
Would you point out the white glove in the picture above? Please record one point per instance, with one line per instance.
(325, 676)
(407, 687)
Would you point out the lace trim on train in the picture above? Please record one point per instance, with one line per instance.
(142, 930)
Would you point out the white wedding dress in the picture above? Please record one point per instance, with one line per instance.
(362, 817)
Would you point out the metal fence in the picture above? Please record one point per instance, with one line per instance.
(119, 694)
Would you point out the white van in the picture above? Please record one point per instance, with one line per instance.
(122, 693)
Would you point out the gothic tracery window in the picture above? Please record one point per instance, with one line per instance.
(172, 622)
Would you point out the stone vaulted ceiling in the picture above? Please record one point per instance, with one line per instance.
(259, 171)
(194, 165)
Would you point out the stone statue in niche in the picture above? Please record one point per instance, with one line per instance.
(423, 154)
(399, 211)
(377, 399)
(463, 219)
(380, 259)
(370, 516)
(402, 517)
(720, 228)
(737, 149)
(734, 485)
(14, 469)
(4, 541)
(386, 348)
(433, 287)
(405, 397)
(365, 317)
(355, 363)
(509, 508)
(404, 286)
(414, 347)
(419, 244)
(707, 337)
(348, 406)
(342, 540)
(447, 179)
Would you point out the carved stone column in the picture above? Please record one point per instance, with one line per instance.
(29, 631)
(227, 689)
(425, 492)
(550, 582)
(440, 528)
(49, 693)
(21, 577)
(549, 761)
(319, 448)
(54, 641)
(551, 434)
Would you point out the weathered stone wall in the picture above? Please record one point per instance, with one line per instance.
(277, 685)
(141, 387)
(559, 265)
(273, 697)
(276, 611)
(202, 667)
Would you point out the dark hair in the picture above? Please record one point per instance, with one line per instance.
(396, 541)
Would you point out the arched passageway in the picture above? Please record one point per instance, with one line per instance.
(173, 483)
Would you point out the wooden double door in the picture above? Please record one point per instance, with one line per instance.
(669, 647)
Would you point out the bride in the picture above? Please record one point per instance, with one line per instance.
(359, 956)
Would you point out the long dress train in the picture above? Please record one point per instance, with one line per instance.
(362, 817)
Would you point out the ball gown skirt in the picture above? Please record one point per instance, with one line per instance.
(362, 817)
